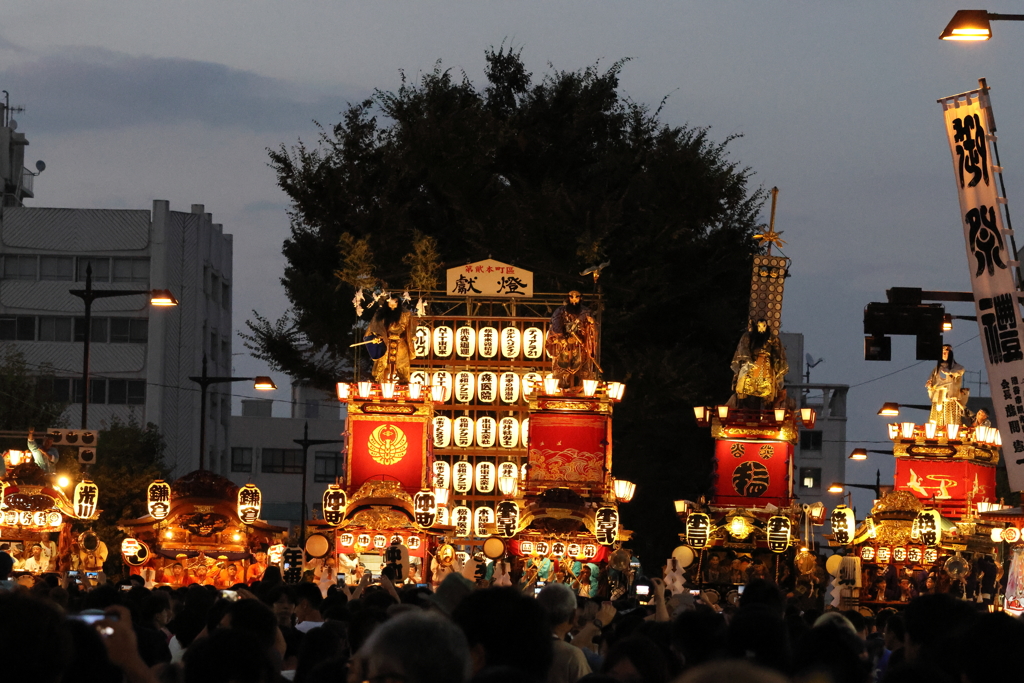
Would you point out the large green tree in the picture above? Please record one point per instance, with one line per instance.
(26, 399)
(555, 176)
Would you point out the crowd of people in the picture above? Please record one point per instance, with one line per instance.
(271, 631)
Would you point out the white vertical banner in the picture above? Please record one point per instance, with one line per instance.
(991, 261)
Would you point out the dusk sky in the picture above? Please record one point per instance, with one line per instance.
(127, 103)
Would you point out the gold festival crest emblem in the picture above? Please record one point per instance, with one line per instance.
(387, 444)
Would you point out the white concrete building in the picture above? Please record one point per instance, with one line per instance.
(141, 356)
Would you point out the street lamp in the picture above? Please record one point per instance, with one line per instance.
(862, 453)
(974, 24)
(157, 297)
(877, 488)
(890, 409)
(261, 383)
(306, 442)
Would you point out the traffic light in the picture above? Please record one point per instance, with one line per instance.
(84, 440)
(903, 314)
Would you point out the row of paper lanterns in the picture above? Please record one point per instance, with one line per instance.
(377, 541)
(484, 387)
(886, 554)
(464, 431)
(778, 530)
(487, 342)
(487, 475)
(572, 549)
(249, 501)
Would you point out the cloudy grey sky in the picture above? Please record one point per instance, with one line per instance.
(130, 102)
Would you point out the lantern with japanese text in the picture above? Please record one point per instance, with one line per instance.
(485, 477)
(532, 382)
(507, 518)
(134, 552)
(250, 501)
(483, 517)
(511, 342)
(425, 508)
(465, 342)
(779, 530)
(334, 503)
(524, 431)
(413, 542)
(443, 378)
(543, 547)
(347, 539)
(442, 475)
(488, 338)
(443, 341)
(927, 527)
(421, 341)
(380, 541)
(558, 548)
(463, 432)
(533, 343)
(86, 498)
(486, 387)
(464, 386)
(508, 432)
(442, 516)
(606, 525)
(462, 475)
(843, 524)
(158, 499)
(698, 529)
(486, 430)
(442, 429)
(461, 519)
(508, 387)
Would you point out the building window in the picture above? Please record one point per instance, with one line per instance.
(18, 328)
(810, 477)
(20, 267)
(327, 466)
(282, 461)
(60, 390)
(60, 268)
(97, 390)
(100, 268)
(225, 297)
(99, 330)
(810, 440)
(54, 328)
(131, 392)
(214, 347)
(131, 270)
(241, 459)
(129, 330)
(215, 288)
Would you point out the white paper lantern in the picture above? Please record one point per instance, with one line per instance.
(465, 342)
(86, 498)
(442, 474)
(421, 342)
(413, 542)
(843, 524)
(419, 377)
(486, 429)
(442, 428)
(533, 343)
(508, 469)
(484, 517)
(425, 508)
(250, 501)
(464, 387)
(461, 519)
(158, 499)
(462, 477)
(508, 387)
(334, 503)
(524, 431)
(486, 387)
(444, 378)
(508, 432)
(443, 517)
(463, 428)
(488, 342)
(532, 383)
(511, 342)
(485, 477)
(380, 541)
(606, 525)
(507, 520)
(444, 341)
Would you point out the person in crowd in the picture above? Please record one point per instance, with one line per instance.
(518, 640)
(415, 647)
(44, 455)
(307, 608)
(36, 563)
(569, 663)
(255, 571)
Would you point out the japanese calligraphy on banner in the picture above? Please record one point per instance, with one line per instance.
(746, 470)
(490, 278)
(967, 118)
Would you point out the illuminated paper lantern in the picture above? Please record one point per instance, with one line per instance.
(486, 431)
(507, 518)
(443, 378)
(463, 432)
(927, 527)
(527, 548)
(158, 499)
(508, 387)
(421, 342)
(419, 377)
(899, 554)
(508, 432)
(484, 517)
(396, 537)
(575, 551)
(39, 518)
(134, 552)
(698, 529)
(485, 476)
(334, 503)
(347, 539)
(606, 525)
(54, 518)
(884, 555)
(488, 338)
(413, 543)
(511, 342)
(931, 555)
(532, 383)
(914, 555)
(425, 508)
(442, 516)
(465, 342)
(843, 524)
(380, 541)
(464, 387)
(867, 553)
(250, 500)
(443, 341)
(442, 429)
(461, 516)
(508, 478)
(86, 498)
(779, 532)
(543, 547)
(524, 431)
(589, 551)
(533, 343)
(1011, 534)
(275, 553)
(486, 387)
(442, 474)
(462, 477)
(558, 548)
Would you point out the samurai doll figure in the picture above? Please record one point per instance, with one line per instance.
(945, 389)
(759, 367)
(392, 328)
(572, 342)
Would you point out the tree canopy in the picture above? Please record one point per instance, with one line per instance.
(554, 175)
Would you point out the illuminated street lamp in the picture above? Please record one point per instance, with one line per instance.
(974, 24)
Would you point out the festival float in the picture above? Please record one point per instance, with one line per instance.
(201, 528)
(36, 508)
(465, 390)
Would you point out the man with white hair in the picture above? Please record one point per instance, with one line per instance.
(569, 663)
(414, 647)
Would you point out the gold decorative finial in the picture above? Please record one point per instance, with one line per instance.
(771, 237)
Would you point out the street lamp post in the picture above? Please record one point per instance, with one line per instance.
(262, 383)
(974, 24)
(306, 442)
(877, 487)
(157, 297)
